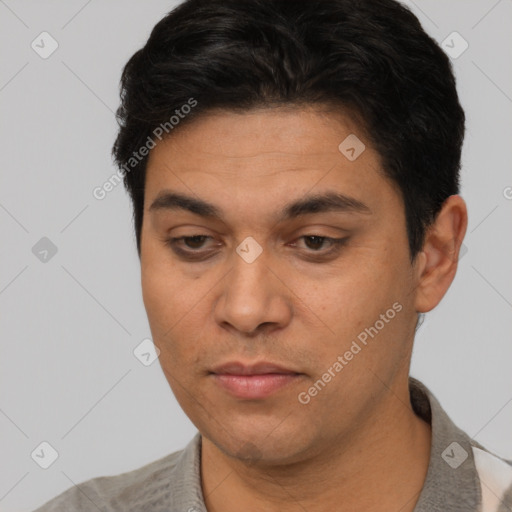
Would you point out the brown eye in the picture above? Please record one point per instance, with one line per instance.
(194, 242)
(316, 241)
(189, 247)
(320, 246)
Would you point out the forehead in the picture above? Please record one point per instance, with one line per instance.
(265, 156)
(304, 133)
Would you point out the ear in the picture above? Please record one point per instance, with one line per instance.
(437, 262)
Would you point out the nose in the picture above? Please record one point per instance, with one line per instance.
(253, 297)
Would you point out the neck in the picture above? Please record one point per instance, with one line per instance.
(380, 465)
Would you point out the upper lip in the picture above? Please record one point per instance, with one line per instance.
(261, 368)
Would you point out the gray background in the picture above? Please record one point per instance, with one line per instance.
(70, 324)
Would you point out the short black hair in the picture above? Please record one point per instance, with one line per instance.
(369, 56)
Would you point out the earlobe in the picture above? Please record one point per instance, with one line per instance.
(437, 263)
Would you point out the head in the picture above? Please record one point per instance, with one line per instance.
(296, 203)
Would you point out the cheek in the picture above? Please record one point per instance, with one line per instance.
(170, 304)
(160, 294)
(353, 299)
(178, 307)
(165, 292)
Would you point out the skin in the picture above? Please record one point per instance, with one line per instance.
(357, 445)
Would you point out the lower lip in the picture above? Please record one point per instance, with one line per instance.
(254, 386)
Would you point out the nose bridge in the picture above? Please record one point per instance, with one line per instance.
(251, 295)
(249, 280)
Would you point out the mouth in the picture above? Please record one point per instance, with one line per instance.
(256, 381)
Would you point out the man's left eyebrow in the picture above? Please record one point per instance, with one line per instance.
(326, 202)
(318, 203)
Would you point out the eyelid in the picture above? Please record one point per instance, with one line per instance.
(173, 241)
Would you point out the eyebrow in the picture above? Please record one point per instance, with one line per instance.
(318, 203)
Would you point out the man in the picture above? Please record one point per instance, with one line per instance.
(294, 172)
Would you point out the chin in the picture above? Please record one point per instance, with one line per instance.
(254, 443)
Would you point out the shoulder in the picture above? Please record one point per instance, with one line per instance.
(127, 491)
(463, 475)
(495, 475)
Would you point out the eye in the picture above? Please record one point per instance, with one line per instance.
(188, 246)
(193, 242)
(316, 242)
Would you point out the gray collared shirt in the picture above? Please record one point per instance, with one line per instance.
(462, 476)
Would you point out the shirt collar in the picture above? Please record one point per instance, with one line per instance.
(452, 482)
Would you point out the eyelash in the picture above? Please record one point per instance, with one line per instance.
(192, 255)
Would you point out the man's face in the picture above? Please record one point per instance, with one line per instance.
(300, 303)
